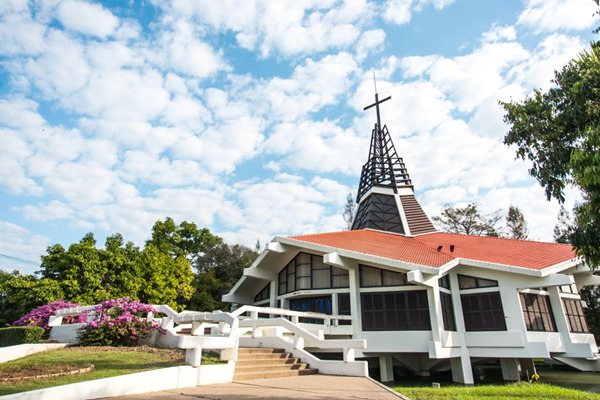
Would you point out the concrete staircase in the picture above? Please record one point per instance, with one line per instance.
(260, 363)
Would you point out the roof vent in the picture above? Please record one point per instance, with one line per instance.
(440, 248)
(451, 248)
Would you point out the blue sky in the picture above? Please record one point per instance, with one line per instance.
(246, 116)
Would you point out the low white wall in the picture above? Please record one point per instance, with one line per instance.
(65, 333)
(21, 350)
(141, 382)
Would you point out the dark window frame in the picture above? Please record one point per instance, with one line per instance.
(395, 311)
(480, 283)
(575, 315)
(260, 296)
(537, 312)
(382, 277)
(289, 280)
(448, 312)
(479, 313)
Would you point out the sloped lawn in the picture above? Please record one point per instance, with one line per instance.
(518, 391)
(107, 361)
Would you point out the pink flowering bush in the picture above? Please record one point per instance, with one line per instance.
(118, 323)
(41, 315)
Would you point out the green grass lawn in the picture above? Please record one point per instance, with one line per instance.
(522, 391)
(107, 362)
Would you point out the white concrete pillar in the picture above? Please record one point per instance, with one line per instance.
(435, 312)
(355, 308)
(461, 370)
(385, 368)
(510, 369)
(273, 294)
(527, 367)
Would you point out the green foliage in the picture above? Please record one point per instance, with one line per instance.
(591, 295)
(20, 334)
(559, 132)
(183, 240)
(516, 224)
(349, 211)
(468, 221)
(164, 279)
(563, 227)
(520, 391)
(19, 294)
(118, 323)
(218, 269)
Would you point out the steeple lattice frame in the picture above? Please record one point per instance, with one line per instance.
(385, 197)
(384, 167)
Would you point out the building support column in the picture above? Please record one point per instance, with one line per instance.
(461, 370)
(527, 367)
(385, 368)
(510, 369)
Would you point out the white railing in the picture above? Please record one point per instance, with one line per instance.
(226, 330)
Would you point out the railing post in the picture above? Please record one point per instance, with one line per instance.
(348, 354)
(295, 319)
(197, 329)
(298, 342)
(150, 316)
(254, 314)
(193, 356)
(54, 320)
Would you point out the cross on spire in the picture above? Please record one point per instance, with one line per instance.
(376, 104)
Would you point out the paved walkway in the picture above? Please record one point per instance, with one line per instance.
(297, 387)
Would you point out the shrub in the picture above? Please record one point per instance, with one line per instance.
(19, 335)
(118, 323)
(41, 315)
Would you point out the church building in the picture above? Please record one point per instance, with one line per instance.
(426, 300)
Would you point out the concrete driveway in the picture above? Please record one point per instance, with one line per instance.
(297, 387)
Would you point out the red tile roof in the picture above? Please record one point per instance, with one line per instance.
(422, 249)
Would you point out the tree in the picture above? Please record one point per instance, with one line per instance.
(468, 221)
(218, 269)
(19, 294)
(516, 224)
(185, 239)
(559, 132)
(563, 226)
(349, 211)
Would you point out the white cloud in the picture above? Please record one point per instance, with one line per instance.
(19, 34)
(182, 51)
(400, 11)
(17, 241)
(289, 28)
(86, 18)
(552, 15)
(369, 41)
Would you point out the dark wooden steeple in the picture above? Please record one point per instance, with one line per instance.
(385, 198)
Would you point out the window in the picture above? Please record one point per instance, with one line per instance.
(575, 316)
(395, 311)
(448, 312)
(483, 312)
(307, 271)
(471, 282)
(444, 282)
(374, 277)
(320, 304)
(537, 312)
(264, 294)
(344, 307)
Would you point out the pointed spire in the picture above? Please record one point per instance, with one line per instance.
(385, 197)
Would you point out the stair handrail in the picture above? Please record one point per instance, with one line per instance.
(296, 315)
(301, 336)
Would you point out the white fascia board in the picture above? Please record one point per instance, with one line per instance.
(235, 287)
(367, 258)
(586, 280)
(500, 267)
(560, 267)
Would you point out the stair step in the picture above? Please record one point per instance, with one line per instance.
(272, 367)
(273, 374)
(261, 363)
